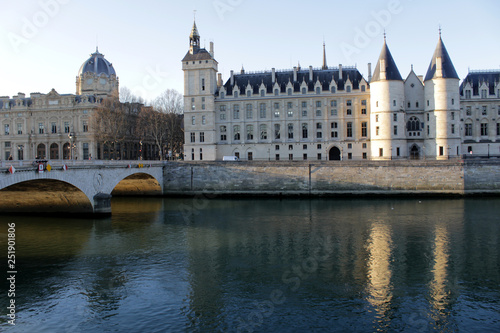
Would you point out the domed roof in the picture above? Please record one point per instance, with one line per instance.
(97, 64)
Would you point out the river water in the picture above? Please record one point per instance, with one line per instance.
(260, 265)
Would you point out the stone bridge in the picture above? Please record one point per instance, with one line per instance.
(96, 179)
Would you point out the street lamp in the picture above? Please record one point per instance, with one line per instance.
(71, 135)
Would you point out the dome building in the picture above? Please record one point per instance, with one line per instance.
(97, 76)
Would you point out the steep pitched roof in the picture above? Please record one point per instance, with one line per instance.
(200, 54)
(447, 68)
(391, 70)
(476, 79)
(284, 77)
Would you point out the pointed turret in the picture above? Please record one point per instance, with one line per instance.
(324, 57)
(194, 40)
(386, 68)
(441, 65)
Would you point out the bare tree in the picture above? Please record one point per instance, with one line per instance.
(152, 125)
(110, 122)
(170, 103)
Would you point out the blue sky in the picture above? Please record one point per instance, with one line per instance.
(43, 43)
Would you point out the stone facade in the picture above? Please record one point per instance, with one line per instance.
(331, 113)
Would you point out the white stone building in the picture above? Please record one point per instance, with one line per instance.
(333, 113)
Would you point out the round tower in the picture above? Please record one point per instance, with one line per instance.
(387, 111)
(442, 106)
(97, 76)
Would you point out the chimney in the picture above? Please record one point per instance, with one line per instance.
(219, 80)
(232, 78)
(273, 75)
(295, 74)
(340, 71)
(310, 73)
(212, 49)
(369, 71)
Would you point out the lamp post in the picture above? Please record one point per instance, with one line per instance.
(488, 150)
(71, 135)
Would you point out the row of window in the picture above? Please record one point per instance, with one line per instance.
(484, 110)
(41, 128)
(483, 129)
(289, 91)
(483, 93)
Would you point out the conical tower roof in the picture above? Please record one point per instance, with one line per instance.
(194, 32)
(442, 58)
(391, 70)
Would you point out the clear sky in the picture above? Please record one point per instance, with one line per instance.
(43, 43)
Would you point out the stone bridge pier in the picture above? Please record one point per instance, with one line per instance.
(96, 179)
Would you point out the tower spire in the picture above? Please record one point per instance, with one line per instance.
(324, 57)
(194, 40)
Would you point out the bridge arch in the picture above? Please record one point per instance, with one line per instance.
(45, 196)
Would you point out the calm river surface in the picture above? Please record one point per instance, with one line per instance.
(260, 265)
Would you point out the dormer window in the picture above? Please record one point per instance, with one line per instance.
(304, 91)
(467, 94)
(348, 89)
(262, 93)
(318, 90)
(363, 88)
(235, 94)
(484, 93)
(276, 92)
(334, 90)
(249, 93)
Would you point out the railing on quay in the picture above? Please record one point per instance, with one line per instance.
(77, 164)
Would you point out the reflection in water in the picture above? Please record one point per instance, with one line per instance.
(337, 265)
(379, 269)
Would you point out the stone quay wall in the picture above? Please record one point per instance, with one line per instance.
(329, 178)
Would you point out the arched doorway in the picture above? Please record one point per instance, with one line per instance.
(40, 151)
(334, 154)
(414, 152)
(54, 151)
(66, 151)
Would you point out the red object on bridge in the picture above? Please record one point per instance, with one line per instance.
(65, 167)
(40, 167)
(12, 169)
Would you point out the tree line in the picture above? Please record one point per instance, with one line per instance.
(123, 122)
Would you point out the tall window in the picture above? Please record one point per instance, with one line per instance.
(202, 136)
(290, 131)
(249, 111)
(236, 133)
(263, 110)
(277, 134)
(7, 129)
(364, 129)
(304, 131)
(334, 127)
(395, 131)
(236, 111)
(53, 128)
(85, 126)
(484, 129)
(193, 137)
(263, 132)
(249, 132)
(41, 128)
(19, 128)
(202, 84)
(66, 127)
(349, 130)
(319, 133)
(223, 133)
(468, 129)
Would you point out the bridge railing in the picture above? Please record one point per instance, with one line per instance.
(77, 164)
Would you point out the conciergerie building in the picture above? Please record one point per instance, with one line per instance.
(334, 113)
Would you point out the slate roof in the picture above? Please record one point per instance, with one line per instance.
(200, 54)
(448, 69)
(392, 72)
(283, 77)
(97, 64)
(476, 79)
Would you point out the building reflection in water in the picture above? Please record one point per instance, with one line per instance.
(379, 271)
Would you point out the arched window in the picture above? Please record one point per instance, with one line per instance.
(304, 131)
(40, 151)
(413, 124)
(54, 151)
(66, 151)
(236, 132)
